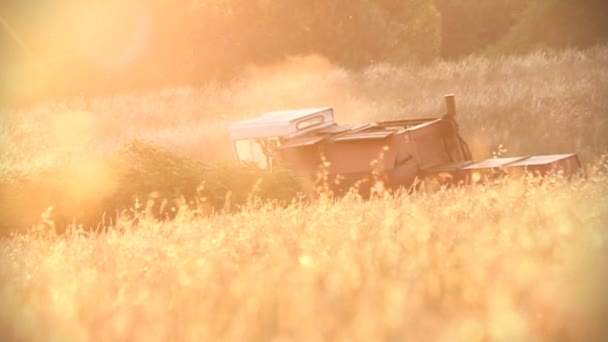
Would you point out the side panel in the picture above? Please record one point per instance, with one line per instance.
(430, 149)
(358, 162)
(357, 156)
(405, 167)
(304, 160)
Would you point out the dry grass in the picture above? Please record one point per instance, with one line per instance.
(518, 260)
(514, 261)
(538, 103)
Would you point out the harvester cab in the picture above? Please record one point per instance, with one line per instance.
(393, 152)
(259, 140)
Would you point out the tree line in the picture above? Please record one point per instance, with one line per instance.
(68, 47)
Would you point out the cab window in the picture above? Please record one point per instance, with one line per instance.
(251, 151)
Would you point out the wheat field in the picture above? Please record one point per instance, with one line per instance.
(511, 260)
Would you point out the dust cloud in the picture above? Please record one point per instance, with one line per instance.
(305, 81)
(75, 136)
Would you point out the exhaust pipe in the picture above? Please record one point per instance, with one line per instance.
(450, 105)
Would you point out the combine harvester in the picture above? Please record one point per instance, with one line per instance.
(397, 153)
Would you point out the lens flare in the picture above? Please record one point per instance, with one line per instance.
(112, 35)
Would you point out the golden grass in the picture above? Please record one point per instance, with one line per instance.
(516, 260)
(512, 261)
(537, 103)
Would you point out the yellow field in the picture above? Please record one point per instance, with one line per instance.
(515, 260)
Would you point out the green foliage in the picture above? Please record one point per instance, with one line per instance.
(351, 33)
(142, 179)
(503, 27)
(469, 26)
(558, 24)
(146, 172)
(143, 169)
(195, 41)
